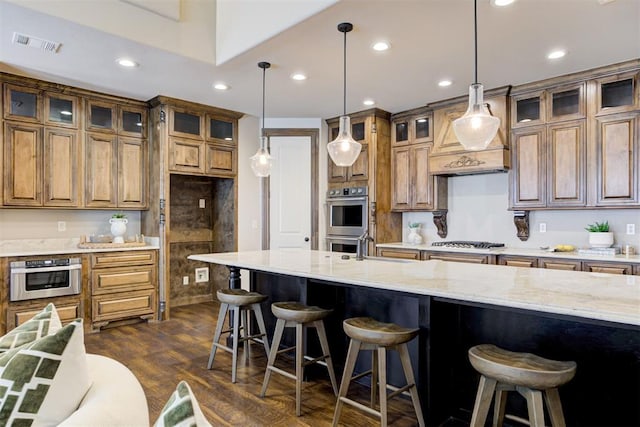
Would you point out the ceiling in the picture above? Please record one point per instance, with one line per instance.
(430, 40)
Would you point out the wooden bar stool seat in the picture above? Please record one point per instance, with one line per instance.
(369, 334)
(532, 376)
(296, 315)
(240, 302)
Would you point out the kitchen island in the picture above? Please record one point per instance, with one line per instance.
(592, 318)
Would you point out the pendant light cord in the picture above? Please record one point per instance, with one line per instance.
(344, 76)
(475, 38)
(264, 72)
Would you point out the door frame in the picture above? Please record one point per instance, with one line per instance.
(314, 135)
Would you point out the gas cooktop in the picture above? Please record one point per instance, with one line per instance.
(468, 244)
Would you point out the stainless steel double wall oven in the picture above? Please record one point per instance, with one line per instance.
(347, 218)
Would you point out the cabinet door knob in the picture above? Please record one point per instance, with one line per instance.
(306, 239)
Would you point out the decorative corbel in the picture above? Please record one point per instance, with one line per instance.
(440, 220)
(521, 220)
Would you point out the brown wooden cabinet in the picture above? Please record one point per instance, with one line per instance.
(576, 141)
(560, 264)
(133, 172)
(517, 261)
(413, 188)
(459, 257)
(398, 253)
(123, 285)
(68, 308)
(607, 267)
(41, 166)
(101, 170)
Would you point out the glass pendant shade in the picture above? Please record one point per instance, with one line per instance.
(261, 161)
(344, 150)
(477, 127)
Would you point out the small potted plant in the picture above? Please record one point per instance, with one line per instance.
(118, 223)
(414, 233)
(599, 235)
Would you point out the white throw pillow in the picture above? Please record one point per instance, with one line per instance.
(43, 382)
(182, 410)
(45, 323)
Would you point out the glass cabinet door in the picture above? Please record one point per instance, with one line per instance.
(219, 129)
(185, 123)
(358, 131)
(61, 110)
(101, 116)
(133, 121)
(527, 109)
(566, 103)
(422, 129)
(22, 103)
(618, 93)
(400, 132)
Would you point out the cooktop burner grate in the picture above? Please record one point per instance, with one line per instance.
(468, 244)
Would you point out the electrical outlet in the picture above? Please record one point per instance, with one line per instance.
(62, 226)
(543, 227)
(185, 280)
(631, 229)
(202, 274)
(201, 203)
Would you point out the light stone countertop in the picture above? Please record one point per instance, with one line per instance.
(608, 297)
(538, 253)
(29, 247)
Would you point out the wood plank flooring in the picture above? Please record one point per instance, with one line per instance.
(161, 354)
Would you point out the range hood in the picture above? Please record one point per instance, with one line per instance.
(449, 157)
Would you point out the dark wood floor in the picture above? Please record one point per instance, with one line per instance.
(161, 354)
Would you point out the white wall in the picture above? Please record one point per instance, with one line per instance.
(478, 211)
(43, 223)
(249, 195)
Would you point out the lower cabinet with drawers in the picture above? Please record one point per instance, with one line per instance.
(68, 308)
(554, 263)
(123, 286)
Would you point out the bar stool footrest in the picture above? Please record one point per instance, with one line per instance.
(399, 391)
(281, 372)
(360, 406)
(311, 361)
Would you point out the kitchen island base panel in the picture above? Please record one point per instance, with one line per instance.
(607, 354)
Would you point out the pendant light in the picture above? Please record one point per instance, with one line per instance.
(477, 127)
(344, 150)
(261, 161)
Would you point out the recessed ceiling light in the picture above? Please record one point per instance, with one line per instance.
(444, 83)
(557, 54)
(298, 76)
(221, 86)
(369, 102)
(380, 46)
(502, 2)
(126, 62)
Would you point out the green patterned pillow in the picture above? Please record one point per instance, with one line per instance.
(182, 410)
(45, 323)
(43, 382)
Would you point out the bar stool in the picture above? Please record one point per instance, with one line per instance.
(240, 302)
(369, 334)
(530, 375)
(295, 314)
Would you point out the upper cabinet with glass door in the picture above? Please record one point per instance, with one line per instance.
(133, 121)
(101, 116)
(22, 103)
(618, 93)
(61, 110)
(555, 104)
(186, 123)
(221, 129)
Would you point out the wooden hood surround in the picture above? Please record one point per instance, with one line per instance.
(449, 157)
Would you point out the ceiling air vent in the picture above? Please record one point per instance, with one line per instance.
(35, 42)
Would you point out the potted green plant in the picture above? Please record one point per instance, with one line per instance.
(118, 223)
(599, 235)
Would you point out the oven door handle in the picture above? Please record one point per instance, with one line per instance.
(347, 199)
(46, 269)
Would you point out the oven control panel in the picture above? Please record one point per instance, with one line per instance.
(347, 192)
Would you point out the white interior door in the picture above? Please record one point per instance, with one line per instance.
(290, 192)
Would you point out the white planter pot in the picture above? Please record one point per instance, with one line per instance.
(414, 236)
(601, 239)
(118, 228)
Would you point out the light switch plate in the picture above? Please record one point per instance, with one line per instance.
(543, 227)
(631, 229)
(62, 226)
(202, 203)
(185, 280)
